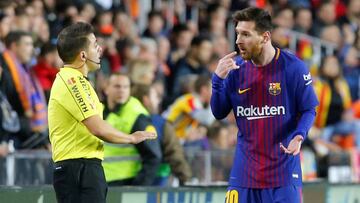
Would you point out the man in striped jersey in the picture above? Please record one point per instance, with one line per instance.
(271, 95)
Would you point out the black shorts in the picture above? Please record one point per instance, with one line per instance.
(79, 180)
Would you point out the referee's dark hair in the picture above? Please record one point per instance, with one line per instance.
(261, 18)
(72, 40)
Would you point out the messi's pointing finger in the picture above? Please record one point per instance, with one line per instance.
(232, 54)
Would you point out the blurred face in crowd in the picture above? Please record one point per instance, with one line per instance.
(205, 92)
(184, 39)
(285, 19)
(164, 49)
(43, 30)
(156, 24)
(118, 89)
(279, 37)
(22, 22)
(354, 8)
(10, 11)
(352, 59)
(204, 52)
(123, 24)
(249, 41)
(5, 25)
(218, 21)
(304, 19)
(23, 49)
(221, 46)
(331, 67)
(332, 34)
(88, 13)
(38, 7)
(327, 13)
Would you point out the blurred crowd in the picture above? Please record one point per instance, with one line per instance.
(171, 48)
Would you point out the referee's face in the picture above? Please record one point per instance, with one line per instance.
(94, 52)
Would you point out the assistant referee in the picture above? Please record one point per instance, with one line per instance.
(77, 129)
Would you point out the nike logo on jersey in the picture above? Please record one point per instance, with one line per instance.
(244, 90)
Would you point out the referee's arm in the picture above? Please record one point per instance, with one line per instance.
(107, 133)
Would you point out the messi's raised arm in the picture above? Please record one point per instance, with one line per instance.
(220, 103)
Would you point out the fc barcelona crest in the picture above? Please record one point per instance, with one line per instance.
(274, 88)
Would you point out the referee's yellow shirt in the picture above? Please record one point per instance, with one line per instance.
(72, 100)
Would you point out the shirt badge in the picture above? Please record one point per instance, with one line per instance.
(274, 88)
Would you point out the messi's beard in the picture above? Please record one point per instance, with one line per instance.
(255, 53)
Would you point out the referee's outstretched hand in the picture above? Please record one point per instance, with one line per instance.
(225, 65)
(140, 136)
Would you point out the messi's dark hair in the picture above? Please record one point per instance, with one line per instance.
(261, 18)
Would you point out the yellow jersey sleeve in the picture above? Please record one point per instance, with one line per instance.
(80, 99)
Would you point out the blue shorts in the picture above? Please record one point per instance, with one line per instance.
(288, 194)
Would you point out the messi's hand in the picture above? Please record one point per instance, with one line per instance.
(225, 65)
(294, 146)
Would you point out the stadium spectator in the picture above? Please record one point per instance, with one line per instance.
(284, 17)
(77, 130)
(195, 62)
(216, 20)
(154, 26)
(332, 34)
(23, 19)
(47, 67)
(128, 49)
(351, 68)
(9, 122)
(267, 163)
(180, 40)
(190, 113)
(23, 91)
(351, 16)
(163, 69)
(8, 8)
(148, 51)
(303, 20)
(141, 72)
(220, 149)
(222, 47)
(334, 115)
(5, 26)
(173, 158)
(124, 27)
(128, 115)
(325, 15)
(87, 11)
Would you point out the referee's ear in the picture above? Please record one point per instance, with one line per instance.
(83, 56)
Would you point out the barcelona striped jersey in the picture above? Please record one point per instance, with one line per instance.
(272, 104)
